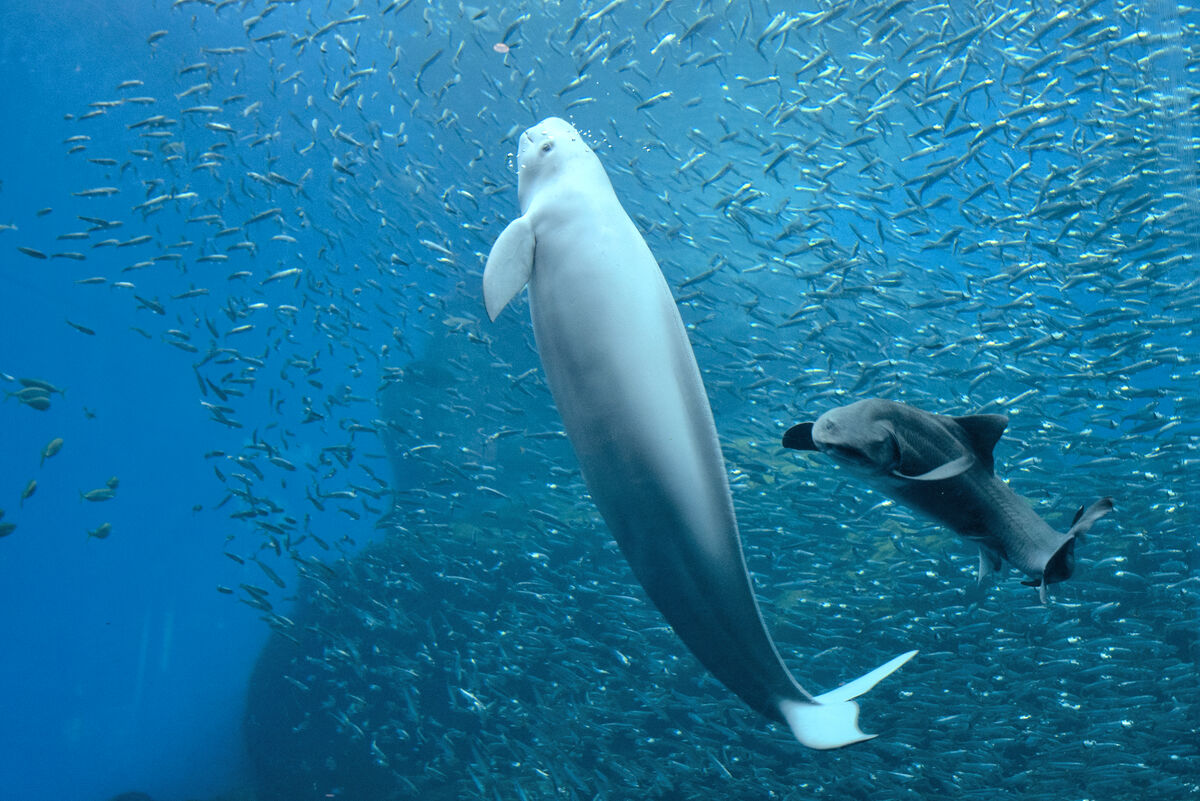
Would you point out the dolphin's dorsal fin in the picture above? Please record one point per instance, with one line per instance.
(948, 470)
(509, 266)
(983, 432)
(799, 437)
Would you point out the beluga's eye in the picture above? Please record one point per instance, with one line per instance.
(547, 147)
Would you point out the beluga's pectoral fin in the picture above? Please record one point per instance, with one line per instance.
(831, 719)
(509, 266)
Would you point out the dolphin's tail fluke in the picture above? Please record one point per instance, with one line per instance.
(830, 720)
(1061, 565)
(1084, 518)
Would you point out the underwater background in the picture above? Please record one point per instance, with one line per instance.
(285, 517)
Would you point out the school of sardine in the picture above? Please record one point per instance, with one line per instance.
(980, 207)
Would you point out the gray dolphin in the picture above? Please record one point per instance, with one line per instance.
(942, 466)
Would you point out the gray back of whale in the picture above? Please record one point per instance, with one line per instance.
(943, 467)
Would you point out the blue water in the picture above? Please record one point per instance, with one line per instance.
(125, 669)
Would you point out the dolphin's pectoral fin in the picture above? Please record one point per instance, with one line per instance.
(799, 437)
(989, 562)
(509, 265)
(949, 470)
(831, 719)
(983, 432)
(906, 454)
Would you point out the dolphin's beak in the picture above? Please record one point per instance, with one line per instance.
(799, 438)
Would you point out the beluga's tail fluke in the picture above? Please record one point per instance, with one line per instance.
(831, 719)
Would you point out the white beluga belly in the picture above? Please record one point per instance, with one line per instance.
(625, 380)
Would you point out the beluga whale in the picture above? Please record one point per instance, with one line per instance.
(624, 378)
(943, 467)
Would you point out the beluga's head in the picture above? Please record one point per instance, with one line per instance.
(859, 436)
(547, 151)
